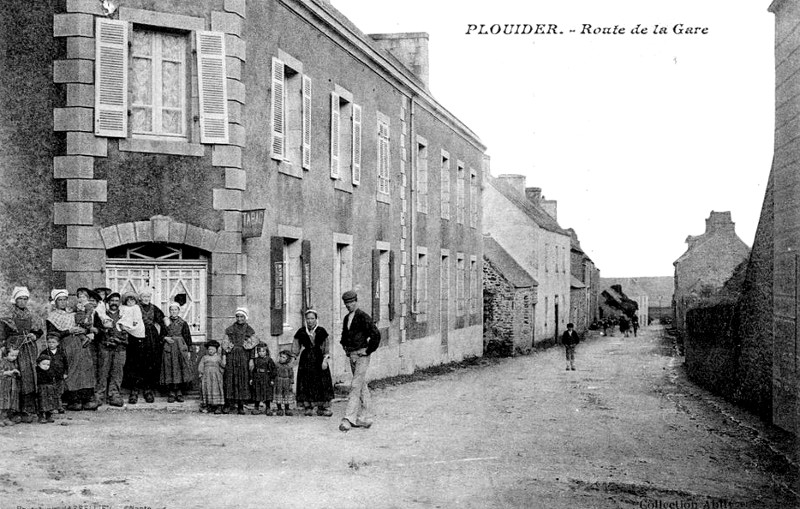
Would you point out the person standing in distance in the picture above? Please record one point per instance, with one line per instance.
(360, 337)
(570, 340)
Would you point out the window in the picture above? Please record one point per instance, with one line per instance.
(384, 159)
(473, 198)
(460, 287)
(345, 149)
(546, 309)
(421, 286)
(547, 257)
(422, 175)
(152, 77)
(291, 293)
(382, 284)
(158, 83)
(290, 100)
(445, 191)
(474, 284)
(460, 197)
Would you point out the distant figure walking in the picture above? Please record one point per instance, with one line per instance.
(570, 340)
(635, 324)
(624, 325)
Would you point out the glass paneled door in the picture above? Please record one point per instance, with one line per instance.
(183, 281)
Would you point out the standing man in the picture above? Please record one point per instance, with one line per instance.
(112, 352)
(570, 339)
(360, 337)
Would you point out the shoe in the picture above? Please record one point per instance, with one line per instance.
(116, 401)
(42, 420)
(308, 412)
(75, 407)
(8, 422)
(289, 412)
(133, 398)
(179, 398)
(91, 405)
(225, 410)
(171, 398)
(573, 368)
(148, 397)
(28, 418)
(324, 412)
(345, 425)
(279, 412)
(256, 411)
(49, 418)
(567, 368)
(241, 411)
(268, 412)
(218, 410)
(362, 424)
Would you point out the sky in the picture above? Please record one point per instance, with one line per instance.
(637, 136)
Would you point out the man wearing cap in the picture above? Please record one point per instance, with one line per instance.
(360, 337)
(112, 352)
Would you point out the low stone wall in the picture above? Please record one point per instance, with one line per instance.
(711, 350)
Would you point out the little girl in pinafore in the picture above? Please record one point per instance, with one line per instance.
(49, 399)
(284, 382)
(9, 386)
(211, 367)
(262, 374)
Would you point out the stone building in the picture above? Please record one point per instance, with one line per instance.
(634, 291)
(584, 286)
(509, 302)
(514, 216)
(707, 263)
(232, 153)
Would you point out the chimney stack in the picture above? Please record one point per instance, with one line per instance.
(515, 181)
(534, 194)
(410, 48)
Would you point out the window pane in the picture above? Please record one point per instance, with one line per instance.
(171, 121)
(142, 81)
(141, 120)
(173, 47)
(142, 43)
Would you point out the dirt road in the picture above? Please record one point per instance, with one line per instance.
(624, 430)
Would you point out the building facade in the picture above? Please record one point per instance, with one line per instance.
(515, 218)
(707, 263)
(584, 286)
(231, 153)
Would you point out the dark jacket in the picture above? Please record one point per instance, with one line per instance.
(113, 338)
(362, 333)
(58, 363)
(570, 338)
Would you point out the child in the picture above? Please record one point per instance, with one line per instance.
(262, 378)
(130, 317)
(9, 386)
(570, 340)
(58, 366)
(283, 382)
(100, 310)
(46, 389)
(84, 310)
(211, 368)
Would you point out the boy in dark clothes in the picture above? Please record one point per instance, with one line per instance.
(59, 367)
(570, 340)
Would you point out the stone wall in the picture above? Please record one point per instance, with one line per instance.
(508, 314)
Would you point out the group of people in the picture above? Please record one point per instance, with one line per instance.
(80, 358)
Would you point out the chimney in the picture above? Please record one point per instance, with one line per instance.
(515, 181)
(719, 222)
(534, 194)
(550, 206)
(410, 48)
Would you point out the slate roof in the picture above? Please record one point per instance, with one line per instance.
(507, 266)
(534, 212)
(576, 283)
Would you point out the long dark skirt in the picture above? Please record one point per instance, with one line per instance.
(314, 384)
(143, 364)
(237, 375)
(80, 362)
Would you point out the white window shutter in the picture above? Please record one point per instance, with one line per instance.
(111, 78)
(306, 122)
(356, 144)
(334, 135)
(278, 150)
(212, 87)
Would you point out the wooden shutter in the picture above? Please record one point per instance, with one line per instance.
(278, 285)
(305, 259)
(111, 78)
(278, 149)
(334, 135)
(376, 285)
(391, 285)
(212, 88)
(306, 123)
(356, 144)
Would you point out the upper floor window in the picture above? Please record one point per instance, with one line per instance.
(422, 175)
(460, 198)
(345, 135)
(291, 113)
(384, 158)
(445, 183)
(473, 198)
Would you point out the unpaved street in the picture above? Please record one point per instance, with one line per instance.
(624, 430)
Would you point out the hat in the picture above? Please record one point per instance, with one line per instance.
(129, 295)
(570, 325)
(58, 293)
(212, 342)
(19, 291)
(89, 293)
(173, 304)
(349, 296)
(242, 310)
(316, 315)
(112, 295)
(103, 289)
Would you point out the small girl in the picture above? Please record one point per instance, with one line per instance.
(9, 386)
(130, 317)
(284, 382)
(211, 368)
(262, 378)
(46, 389)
